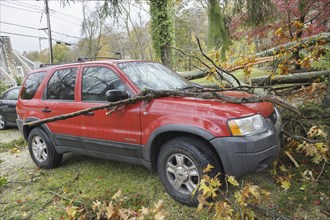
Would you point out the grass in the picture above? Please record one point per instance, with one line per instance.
(14, 143)
(85, 179)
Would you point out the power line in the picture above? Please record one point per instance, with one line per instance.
(21, 4)
(23, 35)
(67, 35)
(54, 16)
(71, 16)
(33, 28)
(23, 9)
(33, 36)
(18, 25)
(35, 7)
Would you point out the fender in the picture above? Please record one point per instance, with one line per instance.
(147, 150)
(43, 126)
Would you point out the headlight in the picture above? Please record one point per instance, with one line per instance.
(245, 126)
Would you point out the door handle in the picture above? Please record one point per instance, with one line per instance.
(46, 110)
(89, 113)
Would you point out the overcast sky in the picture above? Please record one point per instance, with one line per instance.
(65, 22)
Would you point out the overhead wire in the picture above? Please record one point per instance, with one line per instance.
(21, 4)
(36, 7)
(34, 28)
(18, 25)
(56, 17)
(23, 35)
(23, 9)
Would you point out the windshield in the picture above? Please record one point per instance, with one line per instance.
(153, 76)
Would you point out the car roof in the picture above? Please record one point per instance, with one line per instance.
(109, 61)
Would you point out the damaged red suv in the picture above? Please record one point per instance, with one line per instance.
(175, 136)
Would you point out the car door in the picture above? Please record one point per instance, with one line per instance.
(118, 133)
(58, 98)
(8, 105)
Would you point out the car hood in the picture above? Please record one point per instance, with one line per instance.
(212, 107)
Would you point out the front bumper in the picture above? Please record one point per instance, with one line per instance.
(243, 155)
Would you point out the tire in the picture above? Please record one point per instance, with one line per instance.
(180, 167)
(3, 122)
(42, 151)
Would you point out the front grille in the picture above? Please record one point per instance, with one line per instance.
(273, 117)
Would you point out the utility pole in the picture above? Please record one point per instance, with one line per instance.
(49, 34)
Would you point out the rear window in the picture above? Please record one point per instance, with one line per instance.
(61, 85)
(32, 84)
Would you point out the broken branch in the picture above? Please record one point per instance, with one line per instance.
(148, 95)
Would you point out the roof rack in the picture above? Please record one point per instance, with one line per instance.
(46, 64)
(84, 59)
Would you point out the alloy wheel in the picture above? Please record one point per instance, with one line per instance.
(39, 149)
(182, 173)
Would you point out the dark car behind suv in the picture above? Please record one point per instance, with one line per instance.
(175, 136)
(8, 102)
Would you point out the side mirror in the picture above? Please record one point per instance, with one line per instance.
(115, 95)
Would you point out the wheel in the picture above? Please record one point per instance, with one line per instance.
(3, 123)
(42, 150)
(180, 166)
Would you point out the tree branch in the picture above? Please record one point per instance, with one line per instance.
(196, 93)
(217, 67)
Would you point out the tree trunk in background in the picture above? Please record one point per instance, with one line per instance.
(327, 95)
(162, 29)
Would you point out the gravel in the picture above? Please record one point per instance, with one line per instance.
(10, 134)
(13, 162)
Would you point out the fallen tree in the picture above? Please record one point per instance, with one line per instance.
(194, 74)
(307, 77)
(296, 45)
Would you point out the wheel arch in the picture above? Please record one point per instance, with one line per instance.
(168, 132)
(27, 130)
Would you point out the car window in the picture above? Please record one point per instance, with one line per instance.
(61, 85)
(97, 80)
(11, 94)
(32, 84)
(153, 76)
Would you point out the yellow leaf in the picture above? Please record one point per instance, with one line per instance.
(14, 150)
(208, 168)
(96, 205)
(116, 195)
(232, 181)
(158, 206)
(71, 211)
(110, 210)
(144, 211)
(285, 184)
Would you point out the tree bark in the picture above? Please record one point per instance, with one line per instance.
(292, 78)
(194, 74)
(327, 95)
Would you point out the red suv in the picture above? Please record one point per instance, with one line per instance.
(175, 136)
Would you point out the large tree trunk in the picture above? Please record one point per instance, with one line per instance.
(166, 55)
(291, 78)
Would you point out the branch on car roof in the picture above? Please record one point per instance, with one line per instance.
(148, 95)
